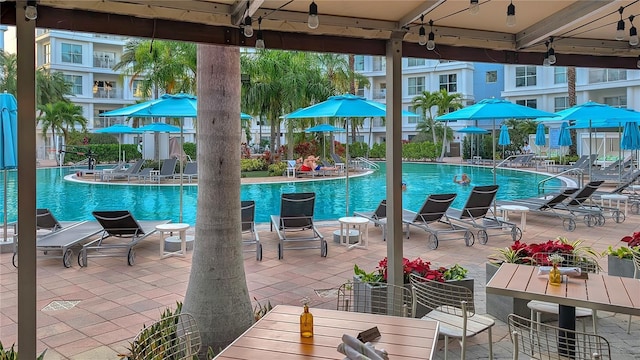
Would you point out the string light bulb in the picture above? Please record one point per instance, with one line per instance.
(545, 62)
(422, 38)
(511, 15)
(431, 43)
(620, 27)
(31, 11)
(633, 33)
(313, 21)
(248, 29)
(552, 52)
(259, 37)
(474, 7)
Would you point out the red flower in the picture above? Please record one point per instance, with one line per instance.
(633, 240)
(416, 266)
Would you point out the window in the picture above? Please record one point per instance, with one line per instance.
(525, 76)
(449, 82)
(491, 77)
(413, 119)
(71, 53)
(46, 49)
(377, 122)
(103, 89)
(559, 75)
(560, 103)
(616, 101)
(410, 137)
(359, 63)
(416, 85)
(360, 90)
(604, 75)
(415, 62)
(136, 88)
(76, 83)
(532, 103)
(379, 63)
(380, 92)
(104, 59)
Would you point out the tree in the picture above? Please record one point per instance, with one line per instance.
(571, 89)
(520, 130)
(425, 102)
(60, 117)
(447, 103)
(217, 294)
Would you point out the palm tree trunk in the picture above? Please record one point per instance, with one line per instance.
(571, 89)
(217, 294)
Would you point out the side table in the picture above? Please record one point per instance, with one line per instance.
(618, 198)
(345, 234)
(523, 210)
(169, 229)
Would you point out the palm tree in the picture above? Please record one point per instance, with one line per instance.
(425, 102)
(59, 117)
(571, 89)
(447, 103)
(217, 294)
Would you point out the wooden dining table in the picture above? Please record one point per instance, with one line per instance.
(277, 335)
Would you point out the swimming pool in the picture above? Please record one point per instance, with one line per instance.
(75, 201)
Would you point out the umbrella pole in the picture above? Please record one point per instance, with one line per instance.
(494, 152)
(346, 168)
(5, 206)
(181, 158)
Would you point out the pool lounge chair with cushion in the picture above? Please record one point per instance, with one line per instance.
(548, 207)
(583, 163)
(144, 175)
(189, 172)
(434, 211)
(122, 174)
(582, 203)
(167, 170)
(378, 217)
(118, 224)
(296, 215)
(248, 225)
(476, 214)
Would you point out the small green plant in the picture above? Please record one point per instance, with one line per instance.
(456, 272)
(277, 169)
(12, 354)
(260, 310)
(622, 252)
(374, 276)
(163, 331)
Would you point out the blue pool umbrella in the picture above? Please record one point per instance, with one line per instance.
(504, 138)
(118, 129)
(8, 143)
(322, 128)
(541, 139)
(630, 136)
(564, 138)
(159, 127)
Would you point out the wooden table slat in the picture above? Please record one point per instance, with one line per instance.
(617, 292)
(576, 288)
(597, 289)
(633, 290)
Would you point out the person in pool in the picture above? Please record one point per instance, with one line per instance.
(404, 186)
(464, 179)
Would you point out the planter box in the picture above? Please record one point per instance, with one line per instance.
(619, 267)
(364, 293)
(500, 306)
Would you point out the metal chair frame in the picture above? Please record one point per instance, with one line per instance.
(173, 337)
(375, 298)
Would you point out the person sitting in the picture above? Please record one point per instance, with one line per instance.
(311, 163)
(526, 149)
(464, 180)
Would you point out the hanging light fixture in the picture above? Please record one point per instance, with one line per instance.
(31, 11)
(545, 62)
(633, 33)
(552, 52)
(620, 27)
(259, 38)
(511, 14)
(313, 21)
(474, 7)
(422, 38)
(431, 43)
(248, 29)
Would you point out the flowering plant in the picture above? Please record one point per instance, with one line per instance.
(521, 253)
(555, 259)
(633, 240)
(624, 252)
(416, 266)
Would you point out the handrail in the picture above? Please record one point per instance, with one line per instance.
(370, 163)
(578, 173)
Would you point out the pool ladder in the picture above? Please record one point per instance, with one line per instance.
(369, 163)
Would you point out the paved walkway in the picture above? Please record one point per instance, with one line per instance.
(93, 312)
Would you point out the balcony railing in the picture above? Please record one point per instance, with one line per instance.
(102, 62)
(380, 94)
(107, 93)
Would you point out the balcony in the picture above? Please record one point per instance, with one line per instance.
(379, 94)
(107, 93)
(103, 62)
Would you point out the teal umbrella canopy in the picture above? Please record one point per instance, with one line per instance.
(9, 131)
(564, 139)
(630, 136)
(118, 129)
(541, 139)
(473, 130)
(504, 138)
(324, 128)
(173, 106)
(159, 127)
(591, 111)
(346, 105)
(488, 109)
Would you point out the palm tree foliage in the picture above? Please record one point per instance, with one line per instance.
(447, 103)
(444, 103)
(425, 102)
(519, 131)
(60, 117)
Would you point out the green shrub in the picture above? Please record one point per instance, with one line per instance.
(252, 165)
(12, 354)
(358, 149)
(277, 169)
(378, 151)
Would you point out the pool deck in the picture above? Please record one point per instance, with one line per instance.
(114, 300)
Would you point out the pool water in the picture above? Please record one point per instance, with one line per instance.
(75, 201)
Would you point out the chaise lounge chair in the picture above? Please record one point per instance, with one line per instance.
(248, 225)
(434, 210)
(167, 170)
(581, 202)
(117, 224)
(378, 217)
(476, 214)
(296, 214)
(122, 174)
(548, 207)
(189, 172)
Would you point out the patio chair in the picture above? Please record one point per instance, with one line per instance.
(337, 161)
(143, 175)
(248, 225)
(542, 341)
(122, 174)
(46, 221)
(292, 167)
(548, 207)
(189, 172)
(586, 265)
(476, 214)
(378, 217)
(452, 306)
(581, 202)
(583, 163)
(434, 210)
(167, 170)
(636, 272)
(172, 337)
(296, 214)
(118, 224)
(373, 298)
